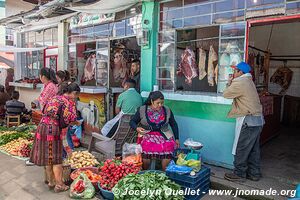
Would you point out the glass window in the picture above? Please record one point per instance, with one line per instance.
(251, 3)
(167, 48)
(228, 17)
(231, 51)
(48, 37)
(200, 20)
(172, 14)
(229, 5)
(197, 10)
(231, 30)
(293, 8)
(194, 2)
(171, 5)
(166, 73)
(166, 84)
(55, 36)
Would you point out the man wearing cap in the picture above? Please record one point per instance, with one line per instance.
(247, 110)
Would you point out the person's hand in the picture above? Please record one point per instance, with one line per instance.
(231, 77)
(140, 130)
(177, 143)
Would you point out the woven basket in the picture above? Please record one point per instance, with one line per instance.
(36, 116)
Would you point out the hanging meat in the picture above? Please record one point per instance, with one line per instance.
(89, 68)
(119, 69)
(212, 62)
(283, 77)
(187, 66)
(201, 65)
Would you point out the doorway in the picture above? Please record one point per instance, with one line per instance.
(274, 53)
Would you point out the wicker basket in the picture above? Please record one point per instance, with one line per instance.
(36, 116)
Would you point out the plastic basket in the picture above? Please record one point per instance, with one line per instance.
(195, 185)
(108, 195)
(202, 174)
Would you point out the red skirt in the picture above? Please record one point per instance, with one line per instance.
(47, 148)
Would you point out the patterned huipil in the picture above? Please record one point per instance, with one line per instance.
(49, 91)
(48, 145)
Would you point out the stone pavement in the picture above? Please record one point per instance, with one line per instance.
(20, 182)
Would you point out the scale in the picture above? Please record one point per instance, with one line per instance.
(194, 147)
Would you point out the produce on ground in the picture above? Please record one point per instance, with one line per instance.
(19, 147)
(94, 177)
(6, 138)
(136, 159)
(114, 170)
(149, 181)
(79, 159)
(7, 132)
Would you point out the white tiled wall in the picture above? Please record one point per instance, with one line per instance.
(294, 89)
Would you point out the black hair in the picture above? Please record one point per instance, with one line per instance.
(2, 89)
(15, 95)
(49, 74)
(153, 96)
(68, 88)
(136, 61)
(62, 75)
(130, 82)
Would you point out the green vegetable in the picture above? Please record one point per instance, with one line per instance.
(157, 183)
(6, 138)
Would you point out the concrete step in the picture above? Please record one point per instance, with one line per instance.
(264, 184)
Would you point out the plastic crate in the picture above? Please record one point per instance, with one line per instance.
(195, 185)
(203, 191)
(202, 174)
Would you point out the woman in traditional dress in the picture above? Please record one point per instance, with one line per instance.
(48, 146)
(47, 77)
(158, 141)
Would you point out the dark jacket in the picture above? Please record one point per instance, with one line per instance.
(15, 107)
(141, 118)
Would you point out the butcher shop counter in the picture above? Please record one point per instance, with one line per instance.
(93, 89)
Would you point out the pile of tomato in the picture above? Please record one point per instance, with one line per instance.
(114, 170)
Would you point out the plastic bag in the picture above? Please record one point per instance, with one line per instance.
(172, 167)
(191, 143)
(132, 153)
(82, 188)
(195, 164)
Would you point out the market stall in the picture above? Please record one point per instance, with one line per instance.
(101, 48)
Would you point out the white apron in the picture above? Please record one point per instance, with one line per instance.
(108, 125)
(238, 128)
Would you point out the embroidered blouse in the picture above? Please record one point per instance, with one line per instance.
(52, 109)
(49, 91)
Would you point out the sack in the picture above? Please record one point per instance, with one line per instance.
(82, 188)
(132, 153)
(61, 122)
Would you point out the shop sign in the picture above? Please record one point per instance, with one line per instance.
(84, 19)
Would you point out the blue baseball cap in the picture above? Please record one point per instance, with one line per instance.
(242, 66)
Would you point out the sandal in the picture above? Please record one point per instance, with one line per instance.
(61, 188)
(51, 187)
